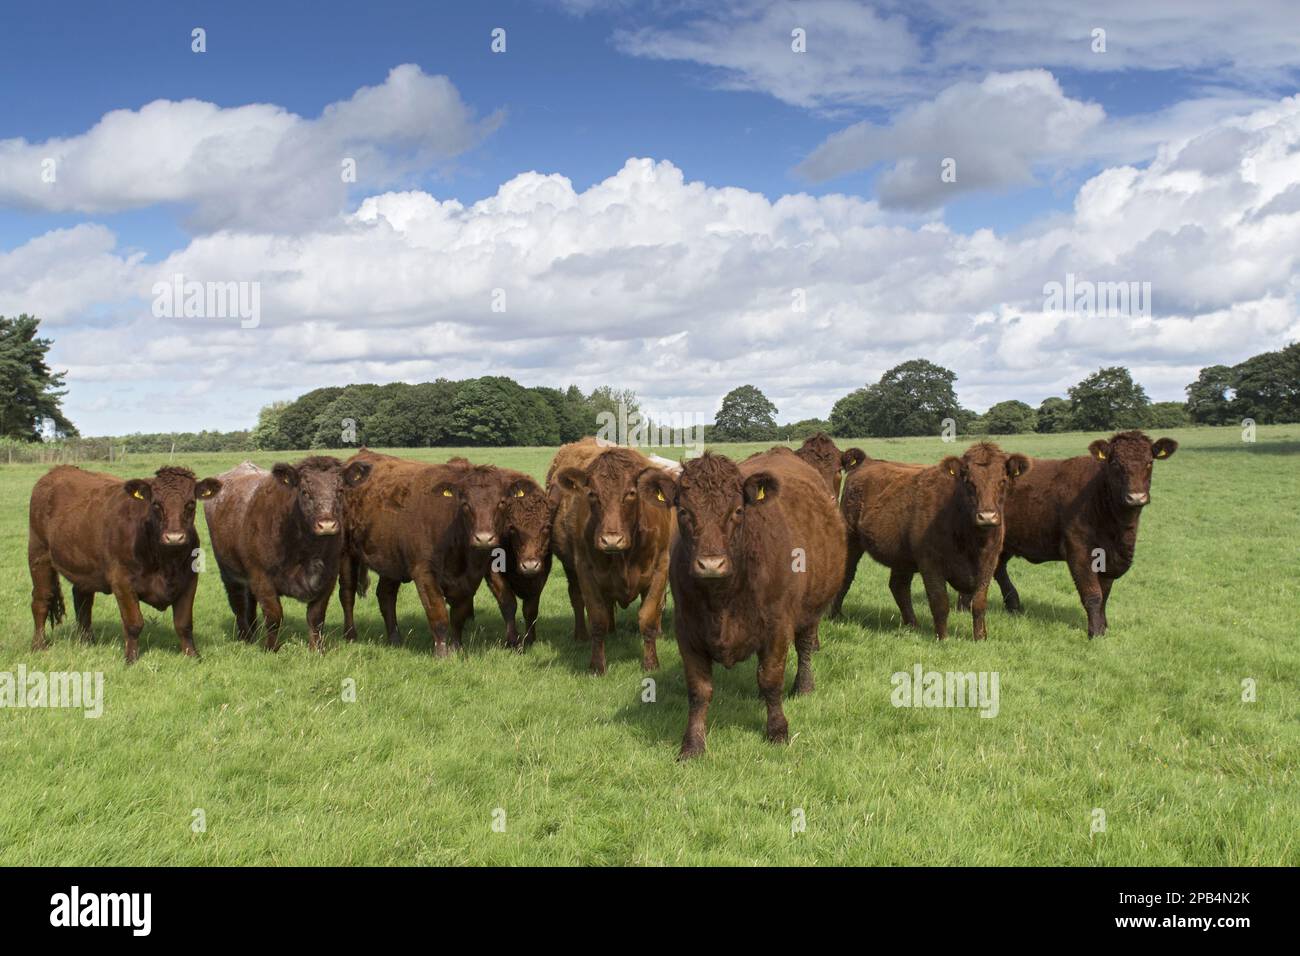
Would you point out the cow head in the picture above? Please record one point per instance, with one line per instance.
(827, 460)
(1126, 462)
(984, 475)
(480, 493)
(317, 486)
(610, 484)
(529, 514)
(169, 497)
(712, 500)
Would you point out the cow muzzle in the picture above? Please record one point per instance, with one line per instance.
(174, 538)
(1137, 499)
(988, 519)
(483, 540)
(530, 566)
(714, 566)
(613, 542)
(326, 526)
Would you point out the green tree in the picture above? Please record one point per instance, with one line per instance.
(805, 428)
(1168, 415)
(911, 399)
(297, 423)
(267, 435)
(1010, 418)
(484, 413)
(30, 392)
(1208, 401)
(1053, 415)
(1108, 399)
(851, 415)
(1267, 386)
(745, 415)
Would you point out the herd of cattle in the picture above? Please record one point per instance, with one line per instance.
(755, 551)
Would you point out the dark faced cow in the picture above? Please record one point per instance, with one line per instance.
(757, 559)
(529, 517)
(133, 539)
(1083, 511)
(946, 521)
(827, 460)
(442, 527)
(612, 544)
(280, 532)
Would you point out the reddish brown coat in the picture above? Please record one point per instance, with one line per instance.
(612, 545)
(758, 558)
(945, 521)
(133, 539)
(279, 532)
(827, 460)
(1083, 511)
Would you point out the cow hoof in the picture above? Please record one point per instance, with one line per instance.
(440, 650)
(1013, 607)
(778, 735)
(597, 670)
(690, 749)
(799, 689)
(650, 663)
(40, 645)
(189, 652)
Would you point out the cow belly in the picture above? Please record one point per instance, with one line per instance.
(307, 581)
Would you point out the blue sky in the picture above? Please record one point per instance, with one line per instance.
(711, 90)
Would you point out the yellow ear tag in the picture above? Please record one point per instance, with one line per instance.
(852, 462)
(138, 494)
(446, 493)
(1161, 453)
(951, 472)
(519, 492)
(762, 493)
(660, 495)
(1101, 455)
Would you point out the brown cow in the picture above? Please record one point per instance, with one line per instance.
(132, 539)
(279, 532)
(612, 545)
(758, 557)
(1083, 511)
(827, 460)
(440, 526)
(945, 521)
(529, 518)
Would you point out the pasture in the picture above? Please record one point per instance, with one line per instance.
(1147, 724)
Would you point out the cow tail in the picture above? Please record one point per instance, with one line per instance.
(57, 607)
(360, 577)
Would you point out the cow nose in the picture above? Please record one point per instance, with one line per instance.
(1136, 499)
(484, 539)
(613, 542)
(173, 537)
(987, 518)
(712, 567)
(327, 526)
(531, 566)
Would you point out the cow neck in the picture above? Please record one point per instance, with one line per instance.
(1108, 510)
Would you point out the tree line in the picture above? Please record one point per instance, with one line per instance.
(916, 397)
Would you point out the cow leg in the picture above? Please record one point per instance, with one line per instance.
(183, 617)
(264, 591)
(900, 586)
(963, 601)
(1010, 596)
(979, 603)
(47, 596)
(386, 595)
(699, 691)
(83, 602)
(853, 557)
(1106, 583)
(461, 612)
(435, 608)
(649, 618)
(316, 622)
(771, 683)
(532, 605)
(241, 602)
(501, 590)
(1089, 588)
(132, 619)
(805, 642)
(936, 589)
(602, 623)
(575, 601)
(348, 596)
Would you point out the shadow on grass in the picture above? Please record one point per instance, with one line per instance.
(1245, 447)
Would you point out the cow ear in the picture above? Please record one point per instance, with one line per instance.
(951, 465)
(761, 488)
(1163, 448)
(554, 494)
(285, 474)
(656, 486)
(1017, 465)
(207, 488)
(138, 488)
(571, 479)
(521, 487)
(355, 473)
(852, 458)
(444, 489)
(1100, 449)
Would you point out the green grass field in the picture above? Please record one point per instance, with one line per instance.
(1146, 724)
